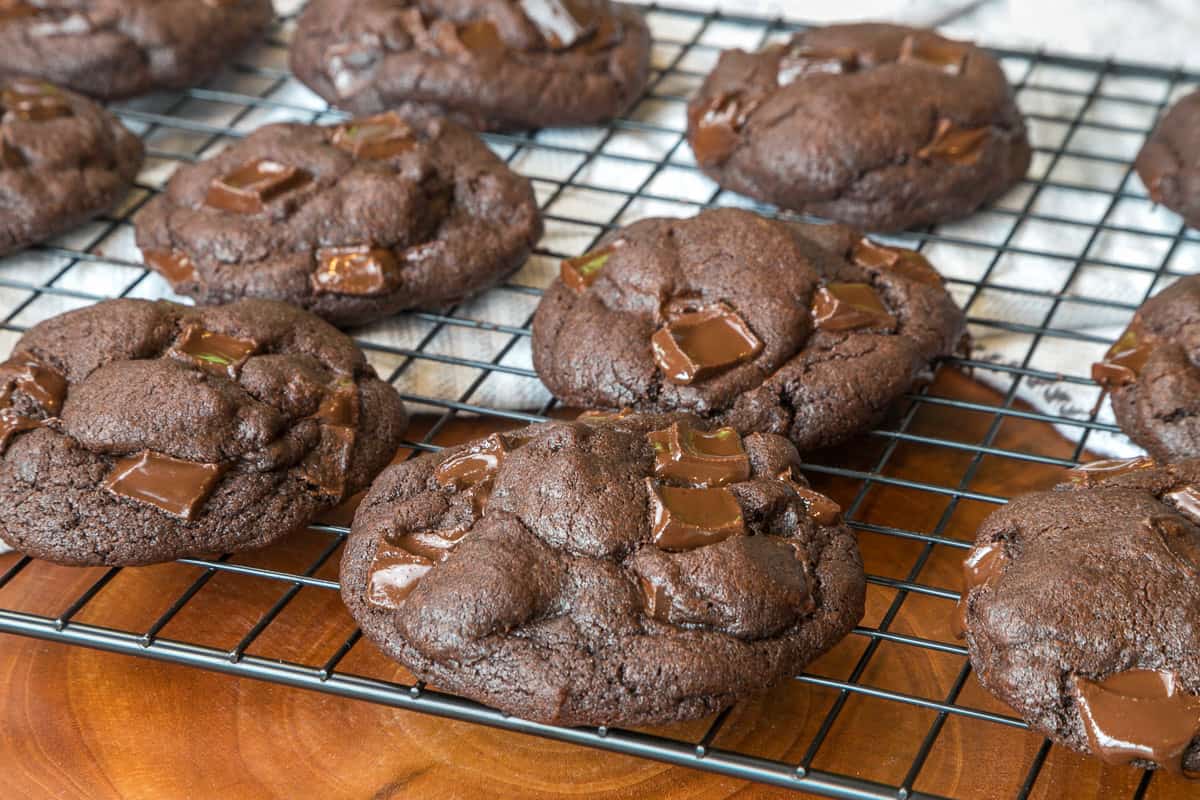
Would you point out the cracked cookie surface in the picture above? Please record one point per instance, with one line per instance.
(353, 222)
(492, 64)
(1151, 373)
(619, 569)
(878, 126)
(809, 331)
(63, 159)
(1169, 161)
(1079, 611)
(133, 432)
(119, 48)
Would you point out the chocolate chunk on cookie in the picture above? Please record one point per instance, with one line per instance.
(492, 64)
(1151, 375)
(1169, 162)
(619, 569)
(809, 331)
(63, 159)
(119, 48)
(878, 126)
(133, 432)
(353, 221)
(1079, 607)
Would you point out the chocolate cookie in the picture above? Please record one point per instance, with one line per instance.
(353, 222)
(878, 126)
(1079, 611)
(492, 64)
(133, 432)
(63, 159)
(1151, 376)
(119, 48)
(810, 331)
(1169, 162)
(620, 569)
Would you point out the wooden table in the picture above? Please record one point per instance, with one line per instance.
(79, 723)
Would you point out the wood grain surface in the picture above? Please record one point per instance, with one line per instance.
(78, 723)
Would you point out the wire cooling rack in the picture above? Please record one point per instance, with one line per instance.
(1079, 221)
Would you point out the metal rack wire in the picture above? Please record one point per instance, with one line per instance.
(587, 182)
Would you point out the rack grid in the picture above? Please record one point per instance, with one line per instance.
(1087, 119)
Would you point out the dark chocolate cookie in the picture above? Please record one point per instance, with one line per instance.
(492, 64)
(63, 159)
(1169, 163)
(1152, 376)
(119, 48)
(133, 432)
(352, 222)
(1080, 611)
(620, 569)
(878, 126)
(810, 331)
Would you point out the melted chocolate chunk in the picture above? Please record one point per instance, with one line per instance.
(822, 509)
(934, 51)
(954, 144)
(582, 271)
(900, 260)
(562, 23)
(1125, 360)
(174, 265)
(12, 423)
(33, 100)
(171, 485)
(684, 519)
(1093, 472)
(326, 467)
(42, 384)
(474, 466)
(431, 545)
(340, 405)
(471, 41)
(1179, 538)
(213, 352)
(717, 127)
(849, 306)
(381, 136)
(697, 344)
(803, 61)
(1186, 501)
(654, 598)
(697, 458)
(1138, 714)
(249, 188)
(983, 565)
(602, 417)
(358, 270)
(395, 572)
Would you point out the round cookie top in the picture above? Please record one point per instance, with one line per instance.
(493, 64)
(1151, 373)
(804, 330)
(133, 431)
(1079, 611)
(119, 48)
(63, 159)
(878, 126)
(1169, 162)
(619, 569)
(353, 222)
